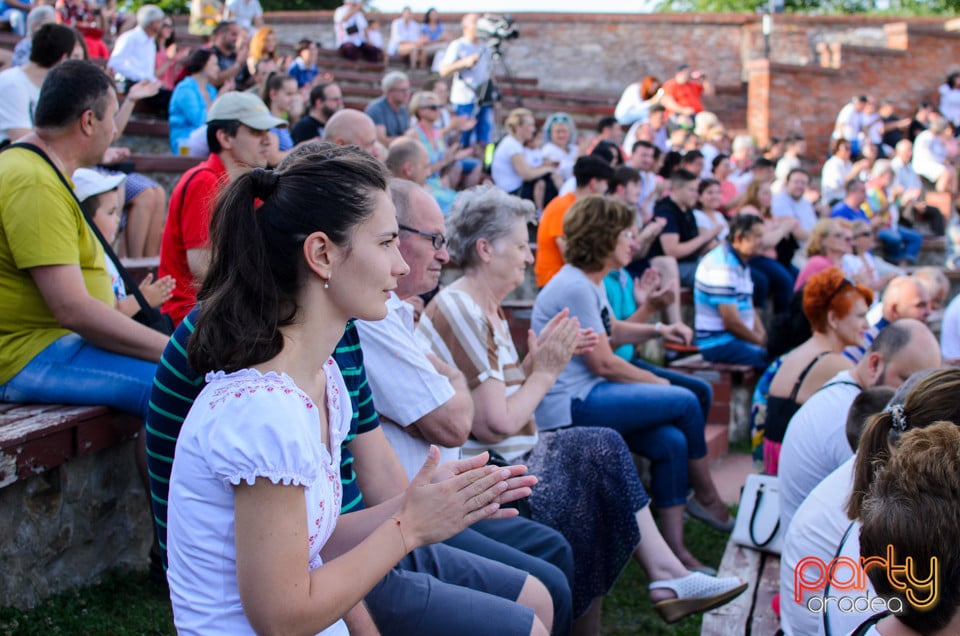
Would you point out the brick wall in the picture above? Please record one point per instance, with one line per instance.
(791, 92)
(786, 98)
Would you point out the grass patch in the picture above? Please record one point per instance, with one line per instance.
(128, 603)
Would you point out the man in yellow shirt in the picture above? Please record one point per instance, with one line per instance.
(61, 339)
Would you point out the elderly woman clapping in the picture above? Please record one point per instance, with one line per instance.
(589, 489)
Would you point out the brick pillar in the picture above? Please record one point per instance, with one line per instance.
(758, 100)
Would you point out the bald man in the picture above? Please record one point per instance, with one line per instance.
(408, 159)
(904, 297)
(351, 128)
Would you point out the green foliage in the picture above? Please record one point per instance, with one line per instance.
(183, 6)
(890, 7)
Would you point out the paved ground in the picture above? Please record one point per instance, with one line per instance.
(729, 473)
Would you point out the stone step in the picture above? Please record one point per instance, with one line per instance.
(718, 440)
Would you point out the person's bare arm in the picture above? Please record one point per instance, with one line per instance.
(605, 363)
(198, 260)
(458, 65)
(732, 323)
(63, 290)
(528, 172)
(673, 246)
(359, 622)
(498, 416)
(448, 424)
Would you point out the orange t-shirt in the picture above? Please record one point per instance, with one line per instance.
(549, 258)
(688, 94)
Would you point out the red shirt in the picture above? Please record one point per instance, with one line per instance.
(688, 94)
(187, 227)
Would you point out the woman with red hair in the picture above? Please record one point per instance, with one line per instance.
(836, 308)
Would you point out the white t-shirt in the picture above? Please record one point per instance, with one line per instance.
(707, 222)
(20, 97)
(815, 442)
(816, 531)
(244, 12)
(402, 31)
(833, 179)
(950, 330)
(950, 103)
(404, 381)
(467, 82)
(357, 20)
(246, 425)
(801, 209)
(566, 158)
(134, 55)
(501, 169)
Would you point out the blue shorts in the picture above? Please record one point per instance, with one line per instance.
(437, 590)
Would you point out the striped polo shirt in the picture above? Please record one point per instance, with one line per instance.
(721, 279)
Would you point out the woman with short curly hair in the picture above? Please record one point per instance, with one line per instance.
(661, 422)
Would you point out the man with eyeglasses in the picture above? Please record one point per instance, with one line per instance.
(389, 112)
(326, 99)
(423, 401)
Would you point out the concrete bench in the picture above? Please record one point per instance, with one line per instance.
(750, 614)
(71, 503)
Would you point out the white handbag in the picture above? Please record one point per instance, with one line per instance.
(758, 517)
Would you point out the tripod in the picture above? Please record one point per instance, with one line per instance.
(497, 56)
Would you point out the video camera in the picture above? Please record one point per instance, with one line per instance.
(495, 29)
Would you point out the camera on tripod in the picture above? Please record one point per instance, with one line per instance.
(495, 29)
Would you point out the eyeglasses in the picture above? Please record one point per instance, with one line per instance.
(840, 235)
(431, 107)
(436, 238)
(862, 234)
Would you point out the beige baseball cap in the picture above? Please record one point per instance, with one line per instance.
(248, 109)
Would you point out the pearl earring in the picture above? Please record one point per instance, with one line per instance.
(326, 284)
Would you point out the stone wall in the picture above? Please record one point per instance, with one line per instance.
(65, 527)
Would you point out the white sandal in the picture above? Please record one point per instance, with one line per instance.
(696, 593)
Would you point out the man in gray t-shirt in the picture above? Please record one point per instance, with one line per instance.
(389, 112)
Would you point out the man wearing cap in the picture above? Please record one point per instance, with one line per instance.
(683, 93)
(237, 125)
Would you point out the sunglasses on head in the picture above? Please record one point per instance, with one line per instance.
(846, 282)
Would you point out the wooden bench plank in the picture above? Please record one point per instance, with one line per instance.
(764, 622)
(733, 618)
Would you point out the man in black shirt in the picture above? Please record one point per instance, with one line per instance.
(681, 238)
(325, 100)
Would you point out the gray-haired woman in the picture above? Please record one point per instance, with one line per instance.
(589, 489)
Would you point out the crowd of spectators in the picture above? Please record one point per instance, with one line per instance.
(784, 262)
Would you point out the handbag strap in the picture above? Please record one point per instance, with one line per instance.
(132, 287)
(833, 566)
(753, 518)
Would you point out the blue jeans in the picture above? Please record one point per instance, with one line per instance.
(483, 131)
(662, 423)
(73, 371)
(701, 389)
(900, 244)
(771, 278)
(737, 352)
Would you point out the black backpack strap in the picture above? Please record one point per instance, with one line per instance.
(132, 287)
